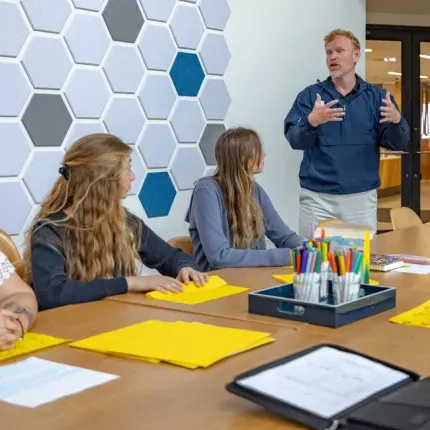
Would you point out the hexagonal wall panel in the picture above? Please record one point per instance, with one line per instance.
(124, 118)
(124, 69)
(80, 129)
(209, 171)
(215, 54)
(157, 47)
(139, 171)
(158, 10)
(87, 92)
(42, 172)
(46, 62)
(188, 121)
(157, 194)
(87, 38)
(14, 148)
(13, 30)
(95, 5)
(215, 99)
(157, 145)
(208, 141)
(215, 13)
(14, 89)
(47, 15)
(157, 96)
(123, 19)
(13, 216)
(185, 177)
(187, 26)
(47, 119)
(187, 74)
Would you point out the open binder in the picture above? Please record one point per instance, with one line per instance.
(332, 387)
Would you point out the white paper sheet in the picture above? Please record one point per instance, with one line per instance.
(33, 382)
(324, 382)
(417, 269)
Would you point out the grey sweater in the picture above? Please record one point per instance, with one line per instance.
(211, 238)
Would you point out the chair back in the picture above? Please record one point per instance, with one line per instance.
(182, 242)
(403, 217)
(8, 247)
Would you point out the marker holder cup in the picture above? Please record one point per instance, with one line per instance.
(307, 287)
(346, 288)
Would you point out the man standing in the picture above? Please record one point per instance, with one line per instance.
(340, 125)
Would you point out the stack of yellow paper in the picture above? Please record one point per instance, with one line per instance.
(186, 344)
(30, 343)
(215, 288)
(419, 316)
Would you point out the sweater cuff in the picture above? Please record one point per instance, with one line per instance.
(117, 286)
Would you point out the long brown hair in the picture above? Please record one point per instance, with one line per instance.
(236, 152)
(99, 243)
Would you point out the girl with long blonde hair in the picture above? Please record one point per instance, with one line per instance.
(83, 244)
(230, 214)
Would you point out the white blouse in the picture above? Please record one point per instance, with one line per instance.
(6, 269)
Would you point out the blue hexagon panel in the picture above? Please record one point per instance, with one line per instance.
(187, 74)
(157, 194)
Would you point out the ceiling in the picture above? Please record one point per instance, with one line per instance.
(410, 7)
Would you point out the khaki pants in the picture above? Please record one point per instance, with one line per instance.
(358, 208)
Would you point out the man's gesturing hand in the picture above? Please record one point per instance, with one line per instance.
(324, 113)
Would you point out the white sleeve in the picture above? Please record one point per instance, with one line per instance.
(6, 269)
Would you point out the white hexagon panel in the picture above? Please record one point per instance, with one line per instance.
(14, 89)
(42, 172)
(87, 92)
(139, 170)
(157, 96)
(94, 5)
(87, 38)
(215, 99)
(188, 121)
(158, 10)
(187, 26)
(47, 62)
(82, 128)
(157, 145)
(157, 47)
(185, 176)
(215, 54)
(124, 69)
(215, 13)
(124, 118)
(15, 146)
(13, 30)
(47, 15)
(15, 207)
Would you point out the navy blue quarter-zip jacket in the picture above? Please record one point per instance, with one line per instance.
(343, 157)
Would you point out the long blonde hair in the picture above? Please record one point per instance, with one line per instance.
(98, 242)
(236, 152)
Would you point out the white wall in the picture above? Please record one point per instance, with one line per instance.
(398, 19)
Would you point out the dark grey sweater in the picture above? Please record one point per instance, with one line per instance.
(54, 288)
(210, 231)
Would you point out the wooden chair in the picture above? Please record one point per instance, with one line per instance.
(8, 247)
(182, 242)
(403, 217)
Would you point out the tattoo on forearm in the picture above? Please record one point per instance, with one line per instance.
(18, 309)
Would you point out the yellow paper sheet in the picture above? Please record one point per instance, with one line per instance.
(215, 288)
(419, 316)
(30, 343)
(185, 344)
(373, 282)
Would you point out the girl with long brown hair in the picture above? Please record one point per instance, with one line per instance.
(83, 244)
(230, 214)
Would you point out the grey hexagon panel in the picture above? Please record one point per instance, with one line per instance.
(157, 47)
(47, 119)
(188, 121)
(123, 19)
(157, 145)
(42, 172)
(149, 71)
(47, 15)
(208, 141)
(124, 69)
(87, 92)
(15, 147)
(188, 166)
(14, 89)
(124, 118)
(47, 62)
(87, 38)
(187, 26)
